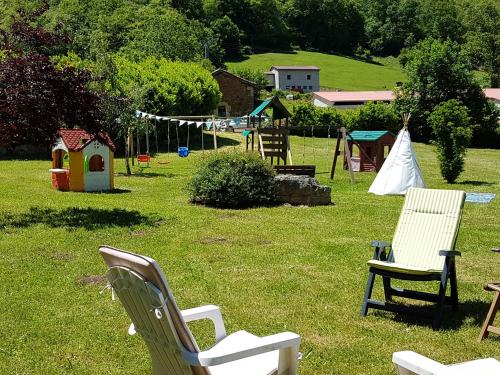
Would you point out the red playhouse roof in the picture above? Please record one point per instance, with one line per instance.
(356, 96)
(78, 139)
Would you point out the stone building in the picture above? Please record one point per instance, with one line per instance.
(238, 94)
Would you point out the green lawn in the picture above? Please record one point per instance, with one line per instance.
(269, 269)
(336, 72)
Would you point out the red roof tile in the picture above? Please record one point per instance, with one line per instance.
(78, 139)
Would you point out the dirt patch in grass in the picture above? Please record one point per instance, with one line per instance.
(264, 242)
(212, 240)
(63, 257)
(138, 233)
(226, 215)
(92, 280)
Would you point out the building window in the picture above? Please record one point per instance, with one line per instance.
(96, 164)
(293, 87)
(221, 111)
(310, 87)
(287, 87)
(308, 77)
(288, 76)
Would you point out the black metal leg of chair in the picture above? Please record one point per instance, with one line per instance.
(368, 293)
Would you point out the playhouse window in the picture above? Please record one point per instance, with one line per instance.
(96, 164)
(61, 159)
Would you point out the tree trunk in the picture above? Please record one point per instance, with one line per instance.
(127, 146)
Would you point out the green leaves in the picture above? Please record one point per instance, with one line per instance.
(452, 130)
(167, 87)
(233, 180)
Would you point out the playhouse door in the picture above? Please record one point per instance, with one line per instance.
(96, 171)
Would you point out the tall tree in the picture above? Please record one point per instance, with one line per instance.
(437, 72)
(36, 98)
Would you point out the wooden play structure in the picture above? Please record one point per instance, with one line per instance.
(372, 147)
(82, 162)
(274, 142)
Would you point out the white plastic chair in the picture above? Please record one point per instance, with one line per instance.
(411, 363)
(149, 302)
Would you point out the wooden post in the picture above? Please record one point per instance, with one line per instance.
(215, 133)
(335, 155)
(347, 153)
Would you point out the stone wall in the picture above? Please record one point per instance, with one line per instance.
(302, 190)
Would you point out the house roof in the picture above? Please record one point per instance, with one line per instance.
(493, 94)
(294, 67)
(355, 96)
(225, 72)
(78, 139)
(279, 110)
(367, 136)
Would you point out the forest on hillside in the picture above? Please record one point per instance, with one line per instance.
(218, 30)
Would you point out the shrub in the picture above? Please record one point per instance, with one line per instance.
(232, 180)
(373, 116)
(451, 128)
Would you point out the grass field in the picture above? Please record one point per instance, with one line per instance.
(336, 72)
(269, 269)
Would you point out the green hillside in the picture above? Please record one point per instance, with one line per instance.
(336, 72)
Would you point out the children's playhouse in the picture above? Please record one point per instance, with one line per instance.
(82, 162)
(371, 149)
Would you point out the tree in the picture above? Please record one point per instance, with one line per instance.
(166, 87)
(229, 35)
(481, 18)
(391, 25)
(36, 98)
(437, 72)
(452, 130)
(328, 25)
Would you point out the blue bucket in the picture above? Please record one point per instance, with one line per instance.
(183, 152)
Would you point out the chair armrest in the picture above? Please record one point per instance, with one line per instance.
(381, 244)
(417, 363)
(450, 253)
(280, 341)
(379, 252)
(211, 312)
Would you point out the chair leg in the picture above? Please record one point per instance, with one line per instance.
(495, 305)
(368, 293)
(454, 288)
(441, 299)
(387, 288)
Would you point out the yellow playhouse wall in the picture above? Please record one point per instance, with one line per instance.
(76, 171)
(111, 170)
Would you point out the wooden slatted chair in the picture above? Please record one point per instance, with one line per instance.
(490, 318)
(423, 249)
(148, 300)
(411, 363)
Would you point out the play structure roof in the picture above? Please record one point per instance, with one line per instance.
(367, 136)
(279, 110)
(78, 139)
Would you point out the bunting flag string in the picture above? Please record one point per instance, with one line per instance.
(218, 122)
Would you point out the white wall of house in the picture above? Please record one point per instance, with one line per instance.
(298, 79)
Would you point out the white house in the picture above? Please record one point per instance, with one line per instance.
(295, 78)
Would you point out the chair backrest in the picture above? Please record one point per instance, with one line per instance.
(141, 286)
(429, 222)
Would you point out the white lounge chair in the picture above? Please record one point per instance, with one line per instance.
(411, 363)
(423, 249)
(149, 302)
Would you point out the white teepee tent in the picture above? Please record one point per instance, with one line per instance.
(400, 170)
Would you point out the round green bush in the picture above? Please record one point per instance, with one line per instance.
(232, 180)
